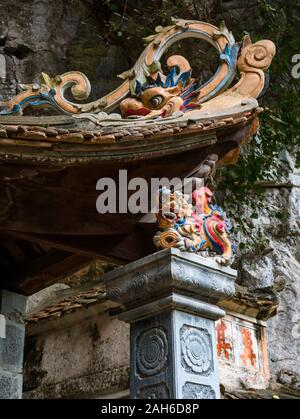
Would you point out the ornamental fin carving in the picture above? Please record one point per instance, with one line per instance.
(253, 61)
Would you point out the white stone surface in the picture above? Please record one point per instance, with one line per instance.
(2, 327)
(2, 67)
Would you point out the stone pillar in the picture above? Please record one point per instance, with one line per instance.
(12, 335)
(170, 300)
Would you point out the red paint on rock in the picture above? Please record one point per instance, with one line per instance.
(222, 345)
(248, 354)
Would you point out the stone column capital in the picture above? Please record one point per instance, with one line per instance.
(171, 279)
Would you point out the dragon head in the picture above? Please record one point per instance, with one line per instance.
(162, 95)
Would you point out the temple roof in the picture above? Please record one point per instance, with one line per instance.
(50, 135)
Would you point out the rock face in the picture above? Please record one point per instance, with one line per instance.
(103, 40)
(270, 273)
(100, 39)
(53, 37)
(278, 271)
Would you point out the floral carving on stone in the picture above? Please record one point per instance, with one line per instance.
(196, 350)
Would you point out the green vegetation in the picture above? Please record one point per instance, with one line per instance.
(280, 124)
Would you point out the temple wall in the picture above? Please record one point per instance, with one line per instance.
(86, 355)
(83, 358)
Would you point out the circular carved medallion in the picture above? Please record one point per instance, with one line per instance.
(196, 350)
(152, 351)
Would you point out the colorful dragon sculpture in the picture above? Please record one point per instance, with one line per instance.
(200, 228)
(146, 92)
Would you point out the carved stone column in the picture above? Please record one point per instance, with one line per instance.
(12, 335)
(170, 299)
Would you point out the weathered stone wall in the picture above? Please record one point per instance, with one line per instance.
(85, 354)
(83, 358)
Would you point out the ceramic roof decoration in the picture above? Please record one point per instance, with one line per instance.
(153, 90)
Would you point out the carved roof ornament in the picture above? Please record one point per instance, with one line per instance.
(146, 93)
(195, 225)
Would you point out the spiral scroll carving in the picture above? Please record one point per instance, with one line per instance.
(78, 82)
(152, 352)
(168, 239)
(257, 56)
